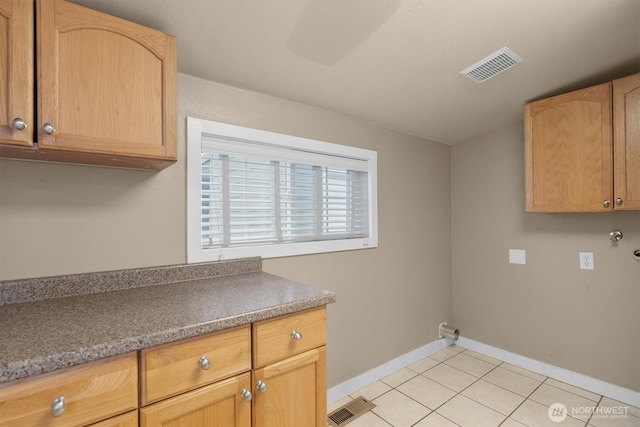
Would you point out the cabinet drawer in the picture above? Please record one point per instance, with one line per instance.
(171, 369)
(91, 393)
(286, 336)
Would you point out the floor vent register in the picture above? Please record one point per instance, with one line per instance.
(349, 412)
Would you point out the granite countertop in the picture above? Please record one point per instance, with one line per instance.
(42, 335)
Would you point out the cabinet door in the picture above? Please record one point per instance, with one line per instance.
(568, 150)
(626, 141)
(107, 86)
(219, 404)
(16, 71)
(295, 393)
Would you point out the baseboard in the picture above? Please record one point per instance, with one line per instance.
(369, 377)
(621, 394)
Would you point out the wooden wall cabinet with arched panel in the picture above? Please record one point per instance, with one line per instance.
(106, 87)
(582, 149)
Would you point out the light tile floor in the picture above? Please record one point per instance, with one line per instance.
(459, 387)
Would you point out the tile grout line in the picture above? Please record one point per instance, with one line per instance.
(414, 373)
(522, 403)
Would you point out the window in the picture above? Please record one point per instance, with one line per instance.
(258, 193)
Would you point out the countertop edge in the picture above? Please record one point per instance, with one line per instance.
(29, 367)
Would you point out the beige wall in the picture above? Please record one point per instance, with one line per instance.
(548, 309)
(438, 225)
(58, 219)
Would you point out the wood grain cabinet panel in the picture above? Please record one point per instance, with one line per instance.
(294, 392)
(626, 140)
(568, 149)
(91, 392)
(171, 369)
(106, 87)
(274, 339)
(16, 71)
(582, 149)
(219, 404)
(290, 371)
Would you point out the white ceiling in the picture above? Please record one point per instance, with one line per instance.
(397, 62)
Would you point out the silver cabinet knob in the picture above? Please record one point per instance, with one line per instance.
(246, 395)
(58, 405)
(619, 201)
(261, 386)
(606, 203)
(18, 124)
(48, 129)
(295, 335)
(203, 362)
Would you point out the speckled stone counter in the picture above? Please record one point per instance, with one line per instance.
(42, 335)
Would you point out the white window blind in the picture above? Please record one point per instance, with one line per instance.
(262, 190)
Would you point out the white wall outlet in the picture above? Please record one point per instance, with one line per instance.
(517, 256)
(440, 329)
(586, 261)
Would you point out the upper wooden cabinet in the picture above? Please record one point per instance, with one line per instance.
(626, 138)
(106, 88)
(16, 72)
(568, 152)
(569, 146)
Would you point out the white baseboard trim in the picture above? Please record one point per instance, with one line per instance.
(621, 394)
(369, 377)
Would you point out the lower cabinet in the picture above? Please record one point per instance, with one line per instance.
(268, 374)
(78, 396)
(219, 404)
(294, 392)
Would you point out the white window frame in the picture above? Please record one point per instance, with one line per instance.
(197, 128)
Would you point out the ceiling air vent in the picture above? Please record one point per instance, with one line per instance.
(492, 65)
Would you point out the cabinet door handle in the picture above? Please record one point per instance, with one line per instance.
(203, 362)
(18, 124)
(619, 201)
(295, 335)
(261, 386)
(246, 395)
(606, 203)
(48, 129)
(58, 405)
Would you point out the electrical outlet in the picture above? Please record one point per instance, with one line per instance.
(440, 328)
(586, 261)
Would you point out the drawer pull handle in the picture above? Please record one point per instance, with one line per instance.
(58, 405)
(261, 386)
(295, 335)
(246, 395)
(203, 362)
